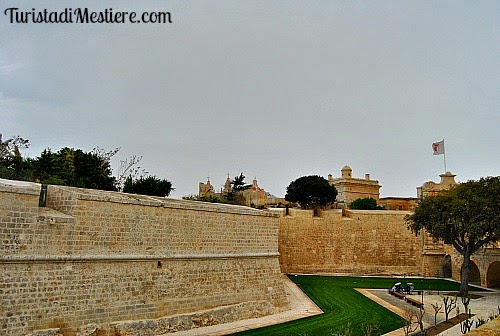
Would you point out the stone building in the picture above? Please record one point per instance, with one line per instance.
(350, 188)
(207, 189)
(252, 195)
(431, 188)
(398, 203)
(257, 196)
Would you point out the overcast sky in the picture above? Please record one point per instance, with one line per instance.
(273, 89)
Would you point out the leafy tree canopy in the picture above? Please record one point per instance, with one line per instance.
(466, 217)
(311, 192)
(237, 186)
(12, 164)
(209, 198)
(73, 167)
(238, 182)
(150, 185)
(368, 203)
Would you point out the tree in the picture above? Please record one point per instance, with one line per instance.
(449, 304)
(73, 167)
(466, 217)
(150, 185)
(128, 167)
(368, 203)
(9, 146)
(235, 196)
(437, 308)
(311, 192)
(12, 164)
(209, 198)
(238, 183)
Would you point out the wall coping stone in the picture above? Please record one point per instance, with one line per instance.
(375, 212)
(20, 187)
(125, 198)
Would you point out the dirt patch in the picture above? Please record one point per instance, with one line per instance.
(446, 325)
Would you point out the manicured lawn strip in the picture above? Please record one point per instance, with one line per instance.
(342, 304)
(386, 283)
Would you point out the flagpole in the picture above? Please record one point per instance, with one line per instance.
(444, 158)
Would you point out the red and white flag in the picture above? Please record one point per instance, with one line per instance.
(438, 148)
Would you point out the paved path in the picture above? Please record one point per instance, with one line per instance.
(483, 307)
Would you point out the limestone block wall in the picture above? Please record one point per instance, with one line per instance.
(18, 215)
(486, 260)
(358, 242)
(120, 264)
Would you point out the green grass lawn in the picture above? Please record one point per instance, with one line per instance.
(342, 304)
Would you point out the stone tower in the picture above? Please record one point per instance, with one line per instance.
(206, 189)
(350, 189)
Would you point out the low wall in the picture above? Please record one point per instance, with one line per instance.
(358, 242)
(117, 264)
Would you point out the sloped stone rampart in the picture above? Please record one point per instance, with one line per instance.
(91, 259)
(169, 324)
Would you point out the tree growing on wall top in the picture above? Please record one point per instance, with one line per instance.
(208, 198)
(73, 167)
(129, 167)
(311, 192)
(235, 196)
(466, 217)
(368, 203)
(150, 185)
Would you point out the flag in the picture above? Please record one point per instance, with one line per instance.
(438, 148)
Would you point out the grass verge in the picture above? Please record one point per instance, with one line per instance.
(343, 306)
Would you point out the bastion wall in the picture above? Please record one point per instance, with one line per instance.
(363, 242)
(350, 241)
(106, 263)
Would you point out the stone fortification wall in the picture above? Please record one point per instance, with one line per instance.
(96, 262)
(358, 242)
(486, 269)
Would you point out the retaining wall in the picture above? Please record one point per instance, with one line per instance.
(358, 242)
(92, 260)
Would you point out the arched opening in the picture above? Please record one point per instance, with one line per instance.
(474, 275)
(446, 267)
(493, 275)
